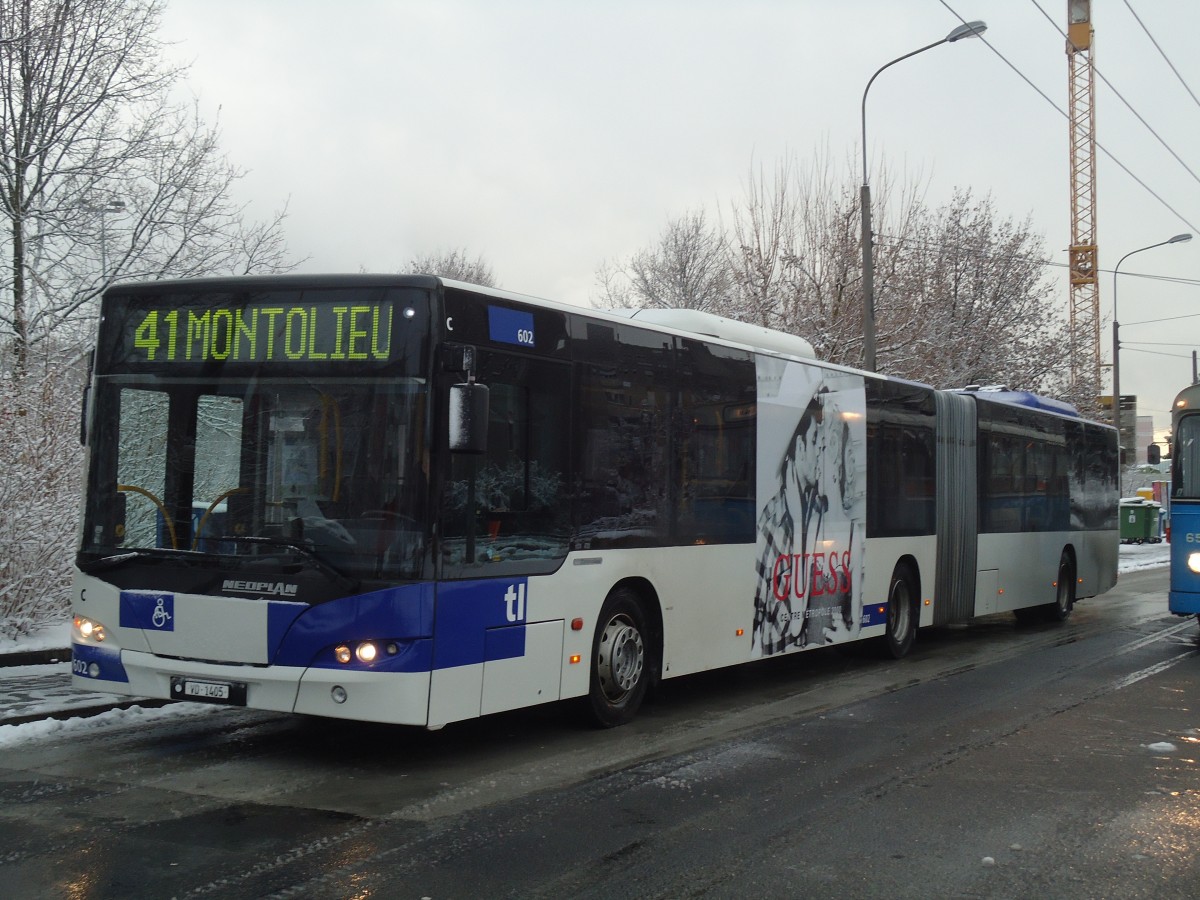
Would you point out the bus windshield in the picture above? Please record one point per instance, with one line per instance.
(332, 468)
(1187, 457)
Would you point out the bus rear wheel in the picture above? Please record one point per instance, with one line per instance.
(1064, 597)
(620, 660)
(901, 614)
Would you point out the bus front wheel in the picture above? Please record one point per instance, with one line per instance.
(620, 660)
(902, 613)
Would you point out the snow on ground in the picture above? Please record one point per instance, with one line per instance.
(48, 637)
(132, 718)
(1135, 557)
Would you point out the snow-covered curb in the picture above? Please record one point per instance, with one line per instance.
(48, 637)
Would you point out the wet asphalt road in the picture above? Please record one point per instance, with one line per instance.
(995, 762)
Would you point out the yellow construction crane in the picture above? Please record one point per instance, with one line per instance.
(1085, 269)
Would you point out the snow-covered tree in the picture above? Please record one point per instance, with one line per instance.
(796, 252)
(961, 293)
(967, 300)
(39, 488)
(102, 174)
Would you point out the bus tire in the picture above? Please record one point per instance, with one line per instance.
(1064, 598)
(902, 613)
(620, 660)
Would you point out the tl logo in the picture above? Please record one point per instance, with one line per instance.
(514, 603)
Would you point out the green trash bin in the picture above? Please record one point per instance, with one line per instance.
(1139, 521)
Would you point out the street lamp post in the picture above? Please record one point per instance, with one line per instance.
(1116, 362)
(104, 208)
(969, 29)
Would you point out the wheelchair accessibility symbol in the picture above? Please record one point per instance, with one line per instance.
(160, 616)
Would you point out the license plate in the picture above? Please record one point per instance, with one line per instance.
(231, 692)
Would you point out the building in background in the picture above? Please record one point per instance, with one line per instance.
(1145, 436)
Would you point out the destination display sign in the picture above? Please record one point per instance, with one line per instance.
(310, 330)
(265, 333)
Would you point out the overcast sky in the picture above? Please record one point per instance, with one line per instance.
(551, 135)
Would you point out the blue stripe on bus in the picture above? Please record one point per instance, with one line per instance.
(107, 659)
(874, 614)
(280, 616)
(466, 610)
(504, 643)
(413, 655)
(394, 614)
(476, 622)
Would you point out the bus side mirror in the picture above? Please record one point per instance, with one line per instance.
(1153, 455)
(83, 408)
(468, 418)
(87, 396)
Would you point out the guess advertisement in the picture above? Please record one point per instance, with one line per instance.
(812, 506)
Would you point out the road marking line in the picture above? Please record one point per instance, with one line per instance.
(1158, 636)
(1134, 677)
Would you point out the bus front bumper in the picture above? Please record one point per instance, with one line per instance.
(400, 698)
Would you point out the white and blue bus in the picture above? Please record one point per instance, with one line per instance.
(1184, 597)
(410, 500)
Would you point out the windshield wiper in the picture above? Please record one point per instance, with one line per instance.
(327, 568)
(190, 557)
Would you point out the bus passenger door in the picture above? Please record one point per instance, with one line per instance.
(503, 517)
(487, 655)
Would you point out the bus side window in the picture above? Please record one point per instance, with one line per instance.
(715, 451)
(518, 518)
(621, 490)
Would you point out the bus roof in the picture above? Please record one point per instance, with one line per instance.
(686, 321)
(1187, 399)
(1001, 394)
(732, 330)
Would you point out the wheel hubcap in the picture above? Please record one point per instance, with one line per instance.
(621, 657)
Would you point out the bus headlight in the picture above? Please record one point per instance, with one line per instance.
(365, 652)
(87, 631)
(1194, 562)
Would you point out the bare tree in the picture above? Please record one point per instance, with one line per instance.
(961, 293)
(968, 301)
(797, 253)
(101, 175)
(686, 268)
(455, 264)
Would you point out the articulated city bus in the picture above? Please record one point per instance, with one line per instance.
(410, 500)
(1184, 597)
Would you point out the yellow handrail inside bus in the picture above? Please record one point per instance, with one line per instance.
(162, 509)
(208, 512)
